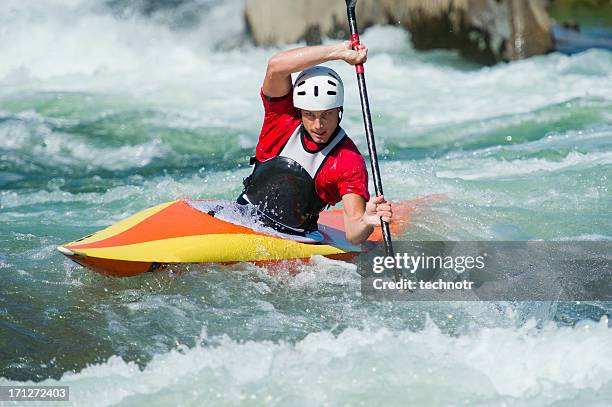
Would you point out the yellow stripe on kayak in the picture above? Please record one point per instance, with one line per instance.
(215, 248)
(123, 225)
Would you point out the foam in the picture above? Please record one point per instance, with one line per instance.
(422, 367)
(51, 39)
(495, 169)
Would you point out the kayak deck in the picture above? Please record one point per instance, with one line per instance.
(176, 233)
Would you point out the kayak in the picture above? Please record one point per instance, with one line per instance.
(188, 232)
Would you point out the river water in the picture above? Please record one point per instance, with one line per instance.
(107, 108)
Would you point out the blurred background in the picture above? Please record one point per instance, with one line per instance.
(109, 107)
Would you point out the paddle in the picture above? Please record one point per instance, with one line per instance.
(367, 120)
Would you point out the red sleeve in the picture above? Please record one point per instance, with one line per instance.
(344, 173)
(280, 120)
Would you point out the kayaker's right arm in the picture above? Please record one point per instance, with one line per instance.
(277, 82)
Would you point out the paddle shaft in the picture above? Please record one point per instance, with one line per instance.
(367, 120)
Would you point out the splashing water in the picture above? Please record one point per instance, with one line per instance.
(109, 107)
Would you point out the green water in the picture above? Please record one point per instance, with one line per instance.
(519, 151)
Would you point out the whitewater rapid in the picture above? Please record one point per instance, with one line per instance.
(106, 110)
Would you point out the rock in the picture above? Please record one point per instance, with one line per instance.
(531, 29)
(280, 22)
(484, 30)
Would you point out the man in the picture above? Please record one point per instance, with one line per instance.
(304, 160)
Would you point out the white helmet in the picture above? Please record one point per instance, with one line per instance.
(318, 88)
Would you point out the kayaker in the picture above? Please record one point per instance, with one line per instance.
(304, 161)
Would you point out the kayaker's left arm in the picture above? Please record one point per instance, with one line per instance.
(360, 216)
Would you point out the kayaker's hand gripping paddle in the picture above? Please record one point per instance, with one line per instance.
(367, 120)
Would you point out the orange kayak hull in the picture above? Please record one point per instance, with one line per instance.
(178, 235)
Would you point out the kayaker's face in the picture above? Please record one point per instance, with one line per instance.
(321, 125)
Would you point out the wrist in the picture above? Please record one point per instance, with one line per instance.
(338, 52)
(366, 221)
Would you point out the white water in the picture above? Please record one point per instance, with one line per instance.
(492, 366)
(102, 116)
